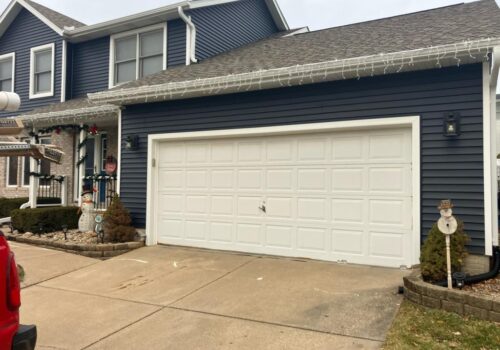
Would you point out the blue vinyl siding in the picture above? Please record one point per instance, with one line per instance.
(225, 27)
(176, 43)
(90, 67)
(450, 168)
(25, 32)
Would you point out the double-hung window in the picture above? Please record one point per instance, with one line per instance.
(137, 54)
(42, 71)
(7, 72)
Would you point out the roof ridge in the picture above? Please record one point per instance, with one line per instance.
(400, 15)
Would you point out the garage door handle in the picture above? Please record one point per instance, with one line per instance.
(263, 208)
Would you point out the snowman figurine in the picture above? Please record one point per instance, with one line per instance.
(86, 221)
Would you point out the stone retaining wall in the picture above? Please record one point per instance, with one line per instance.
(457, 301)
(90, 250)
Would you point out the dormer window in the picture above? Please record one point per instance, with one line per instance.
(137, 54)
(7, 72)
(42, 71)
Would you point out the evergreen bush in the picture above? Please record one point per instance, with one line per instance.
(52, 219)
(117, 223)
(433, 256)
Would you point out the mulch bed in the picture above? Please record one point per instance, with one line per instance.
(491, 287)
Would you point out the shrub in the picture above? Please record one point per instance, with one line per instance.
(28, 220)
(117, 223)
(433, 255)
(7, 205)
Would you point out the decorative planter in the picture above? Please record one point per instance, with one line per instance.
(460, 302)
(100, 251)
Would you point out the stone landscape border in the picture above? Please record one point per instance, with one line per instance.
(100, 251)
(460, 302)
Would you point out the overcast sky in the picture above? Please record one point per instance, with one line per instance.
(316, 14)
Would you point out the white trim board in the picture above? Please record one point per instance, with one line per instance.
(33, 51)
(412, 121)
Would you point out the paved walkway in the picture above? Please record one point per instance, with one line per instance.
(177, 298)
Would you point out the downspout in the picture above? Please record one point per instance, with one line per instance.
(192, 31)
(495, 69)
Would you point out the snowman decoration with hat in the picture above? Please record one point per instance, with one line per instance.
(86, 221)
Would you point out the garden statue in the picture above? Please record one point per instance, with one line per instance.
(87, 219)
(448, 225)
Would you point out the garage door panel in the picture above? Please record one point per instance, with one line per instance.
(390, 180)
(348, 242)
(249, 234)
(349, 149)
(221, 232)
(312, 180)
(390, 212)
(351, 211)
(279, 236)
(196, 230)
(171, 204)
(314, 149)
(250, 179)
(249, 206)
(196, 153)
(170, 179)
(222, 153)
(280, 180)
(222, 205)
(250, 152)
(196, 205)
(387, 245)
(279, 207)
(312, 209)
(348, 180)
(333, 196)
(196, 179)
(171, 153)
(312, 239)
(222, 179)
(281, 151)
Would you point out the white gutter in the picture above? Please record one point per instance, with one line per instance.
(192, 34)
(425, 58)
(88, 113)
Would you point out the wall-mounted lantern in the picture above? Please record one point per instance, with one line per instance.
(132, 142)
(452, 124)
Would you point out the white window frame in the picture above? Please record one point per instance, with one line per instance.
(7, 174)
(11, 56)
(136, 32)
(34, 50)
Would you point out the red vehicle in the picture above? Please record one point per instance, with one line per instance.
(12, 335)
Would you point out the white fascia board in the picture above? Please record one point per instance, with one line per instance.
(136, 21)
(420, 59)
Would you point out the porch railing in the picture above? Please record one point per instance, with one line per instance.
(51, 190)
(104, 189)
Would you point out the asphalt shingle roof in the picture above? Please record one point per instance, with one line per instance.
(55, 17)
(442, 26)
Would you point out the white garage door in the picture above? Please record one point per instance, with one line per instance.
(337, 196)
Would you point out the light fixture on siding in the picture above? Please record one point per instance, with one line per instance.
(132, 142)
(452, 124)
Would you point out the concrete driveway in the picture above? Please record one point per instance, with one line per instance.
(177, 298)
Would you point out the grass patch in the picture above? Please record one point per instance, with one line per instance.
(417, 327)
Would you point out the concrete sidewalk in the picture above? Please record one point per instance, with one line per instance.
(175, 298)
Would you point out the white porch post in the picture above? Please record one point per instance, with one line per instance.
(64, 192)
(34, 181)
(81, 169)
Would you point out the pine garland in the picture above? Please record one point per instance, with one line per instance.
(82, 160)
(59, 179)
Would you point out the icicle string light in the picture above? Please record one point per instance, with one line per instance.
(426, 58)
